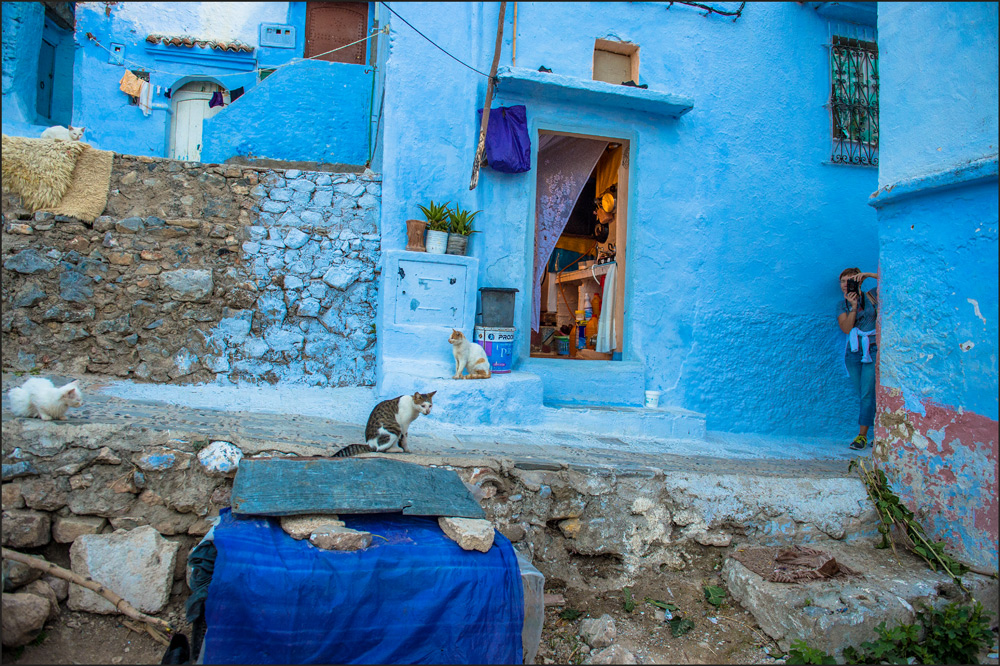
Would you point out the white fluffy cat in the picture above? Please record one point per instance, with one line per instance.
(468, 355)
(60, 133)
(38, 398)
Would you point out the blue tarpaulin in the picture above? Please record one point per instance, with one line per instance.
(413, 597)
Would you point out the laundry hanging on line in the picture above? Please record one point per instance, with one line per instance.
(235, 94)
(130, 84)
(145, 98)
(508, 147)
(216, 100)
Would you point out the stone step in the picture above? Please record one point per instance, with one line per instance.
(659, 423)
(504, 399)
(620, 383)
(830, 614)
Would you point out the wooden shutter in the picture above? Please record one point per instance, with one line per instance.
(333, 24)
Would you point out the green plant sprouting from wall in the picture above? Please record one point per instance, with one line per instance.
(891, 511)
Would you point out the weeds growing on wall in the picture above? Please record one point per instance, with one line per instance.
(891, 511)
(955, 634)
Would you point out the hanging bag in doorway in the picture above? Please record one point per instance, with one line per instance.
(508, 148)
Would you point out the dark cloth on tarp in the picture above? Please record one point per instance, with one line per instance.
(201, 561)
(508, 147)
(412, 597)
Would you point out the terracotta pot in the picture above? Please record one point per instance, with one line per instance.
(437, 241)
(457, 244)
(415, 235)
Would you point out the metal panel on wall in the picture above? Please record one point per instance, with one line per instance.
(330, 25)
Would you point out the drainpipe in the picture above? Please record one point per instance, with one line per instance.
(513, 52)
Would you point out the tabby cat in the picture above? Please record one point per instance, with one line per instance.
(389, 421)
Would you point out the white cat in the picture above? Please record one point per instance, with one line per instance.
(60, 133)
(468, 355)
(38, 398)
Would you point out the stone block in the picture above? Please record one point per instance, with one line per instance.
(308, 307)
(138, 565)
(66, 529)
(41, 589)
(130, 225)
(302, 185)
(28, 295)
(300, 527)
(28, 261)
(24, 615)
(616, 654)
(312, 218)
(271, 206)
(340, 276)
(44, 494)
(340, 538)
(295, 239)
(598, 632)
(23, 528)
(12, 497)
(59, 585)
(220, 459)
(18, 574)
(187, 284)
(162, 459)
(469, 533)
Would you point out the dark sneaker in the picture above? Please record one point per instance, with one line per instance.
(859, 442)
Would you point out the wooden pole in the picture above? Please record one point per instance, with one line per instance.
(481, 148)
(120, 604)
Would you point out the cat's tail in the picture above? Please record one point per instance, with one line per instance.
(20, 401)
(352, 450)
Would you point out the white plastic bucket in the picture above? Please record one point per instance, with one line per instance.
(437, 241)
(652, 399)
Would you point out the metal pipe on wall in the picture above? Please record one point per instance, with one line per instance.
(513, 50)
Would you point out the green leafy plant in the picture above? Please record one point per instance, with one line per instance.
(570, 614)
(954, 634)
(436, 216)
(891, 511)
(629, 604)
(665, 605)
(461, 221)
(715, 595)
(680, 626)
(801, 653)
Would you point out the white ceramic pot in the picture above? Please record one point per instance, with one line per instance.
(437, 241)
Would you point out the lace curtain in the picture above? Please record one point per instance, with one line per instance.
(564, 165)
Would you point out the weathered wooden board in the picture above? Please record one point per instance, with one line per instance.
(276, 487)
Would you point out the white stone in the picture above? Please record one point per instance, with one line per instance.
(598, 632)
(138, 565)
(616, 654)
(469, 533)
(66, 529)
(220, 459)
(296, 239)
(333, 537)
(340, 277)
(300, 527)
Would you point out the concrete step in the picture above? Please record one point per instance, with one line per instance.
(513, 398)
(620, 383)
(659, 423)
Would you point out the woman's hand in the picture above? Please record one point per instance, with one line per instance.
(852, 298)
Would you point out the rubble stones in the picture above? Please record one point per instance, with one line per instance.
(17, 574)
(616, 654)
(136, 564)
(24, 528)
(59, 585)
(598, 632)
(24, 615)
(41, 589)
(28, 261)
(469, 533)
(220, 459)
(187, 284)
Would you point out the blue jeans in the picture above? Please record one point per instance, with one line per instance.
(863, 376)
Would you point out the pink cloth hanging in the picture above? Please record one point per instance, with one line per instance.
(564, 165)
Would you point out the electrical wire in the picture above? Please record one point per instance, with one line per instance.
(712, 10)
(433, 42)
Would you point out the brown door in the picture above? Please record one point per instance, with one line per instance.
(330, 25)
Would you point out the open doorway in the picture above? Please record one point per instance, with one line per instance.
(580, 225)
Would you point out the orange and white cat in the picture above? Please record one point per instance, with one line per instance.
(468, 356)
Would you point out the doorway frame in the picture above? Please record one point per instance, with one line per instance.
(628, 135)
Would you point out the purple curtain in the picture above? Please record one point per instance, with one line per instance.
(564, 165)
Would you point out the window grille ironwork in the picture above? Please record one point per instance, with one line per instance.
(854, 101)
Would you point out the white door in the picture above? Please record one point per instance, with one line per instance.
(190, 111)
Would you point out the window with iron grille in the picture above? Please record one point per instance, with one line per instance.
(854, 101)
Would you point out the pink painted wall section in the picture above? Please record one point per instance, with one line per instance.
(944, 467)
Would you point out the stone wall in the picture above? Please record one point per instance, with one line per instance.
(196, 273)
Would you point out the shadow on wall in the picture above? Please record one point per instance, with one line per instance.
(309, 111)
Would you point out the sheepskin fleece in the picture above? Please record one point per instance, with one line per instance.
(88, 192)
(39, 170)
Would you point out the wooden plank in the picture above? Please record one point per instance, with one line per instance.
(481, 148)
(276, 487)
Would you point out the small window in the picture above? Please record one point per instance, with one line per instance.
(133, 100)
(854, 101)
(616, 62)
(264, 73)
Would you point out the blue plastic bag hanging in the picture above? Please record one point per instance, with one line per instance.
(508, 148)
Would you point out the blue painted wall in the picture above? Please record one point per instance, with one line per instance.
(23, 23)
(333, 130)
(937, 209)
(329, 102)
(738, 226)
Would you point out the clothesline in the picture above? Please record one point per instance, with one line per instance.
(131, 65)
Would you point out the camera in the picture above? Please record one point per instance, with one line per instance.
(853, 287)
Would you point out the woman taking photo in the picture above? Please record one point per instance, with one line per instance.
(856, 315)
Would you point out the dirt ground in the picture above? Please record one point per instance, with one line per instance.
(723, 635)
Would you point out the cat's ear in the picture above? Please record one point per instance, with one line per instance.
(431, 394)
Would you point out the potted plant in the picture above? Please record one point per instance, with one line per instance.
(415, 235)
(461, 229)
(437, 226)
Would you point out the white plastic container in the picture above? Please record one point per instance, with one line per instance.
(437, 241)
(533, 583)
(652, 399)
